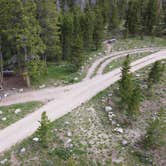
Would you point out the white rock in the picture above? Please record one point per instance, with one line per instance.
(137, 75)
(4, 118)
(124, 142)
(110, 66)
(113, 123)
(68, 141)
(90, 58)
(109, 95)
(22, 150)
(17, 111)
(3, 161)
(21, 90)
(36, 139)
(69, 134)
(108, 108)
(6, 94)
(67, 123)
(91, 109)
(1, 112)
(42, 86)
(119, 130)
(76, 79)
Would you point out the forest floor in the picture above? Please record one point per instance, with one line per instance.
(87, 136)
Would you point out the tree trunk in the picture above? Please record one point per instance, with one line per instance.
(27, 78)
(1, 67)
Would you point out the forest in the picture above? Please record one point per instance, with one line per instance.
(34, 33)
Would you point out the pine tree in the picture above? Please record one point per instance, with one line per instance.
(126, 84)
(155, 74)
(152, 15)
(98, 28)
(87, 25)
(114, 21)
(21, 29)
(135, 101)
(67, 29)
(44, 131)
(50, 30)
(133, 17)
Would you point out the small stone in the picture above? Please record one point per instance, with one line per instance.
(137, 75)
(68, 141)
(109, 95)
(17, 111)
(113, 123)
(69, 134)
(1, 112)
(4, 118)
(119, 130)
(91, 109)
(22, 150)
(3, 161)
(42, 86)
(124, 142)
(76, 79)
(36, 139)
(21, 90)
(6, 95)
(110, 66)
(108, 108)
(67, 123)
(69, 146)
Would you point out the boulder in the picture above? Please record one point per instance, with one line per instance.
(36, 139)
(17, 111)
(108, 108)
(124, 142)
(42, 86)
(21, 90)
(4, 119)
(119, 130)
(3, 161)
(22, 150)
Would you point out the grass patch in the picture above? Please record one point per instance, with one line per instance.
(118, 62)
(136, 42)
(8, 112)
(60, 73)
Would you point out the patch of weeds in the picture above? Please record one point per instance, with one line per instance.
(11, 116)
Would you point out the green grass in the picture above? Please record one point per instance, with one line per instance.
(136, 42)
(11, 117)
(60, 73)
(118, 62)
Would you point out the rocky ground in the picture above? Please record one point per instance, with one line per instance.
(95, 134)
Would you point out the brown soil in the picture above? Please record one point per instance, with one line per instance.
(15, 81)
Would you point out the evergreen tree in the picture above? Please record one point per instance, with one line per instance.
(76, 58)
(133, 17)
(135, 101)
(87, 25)
(98, 28)
(126, 84)
(20, 27)
(114, 21)
(44, 131)
(50, 30)
(155, 74)
(152, 15)
(67, 34)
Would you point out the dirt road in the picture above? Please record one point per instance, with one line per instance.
(50, 93)
(68, 100)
